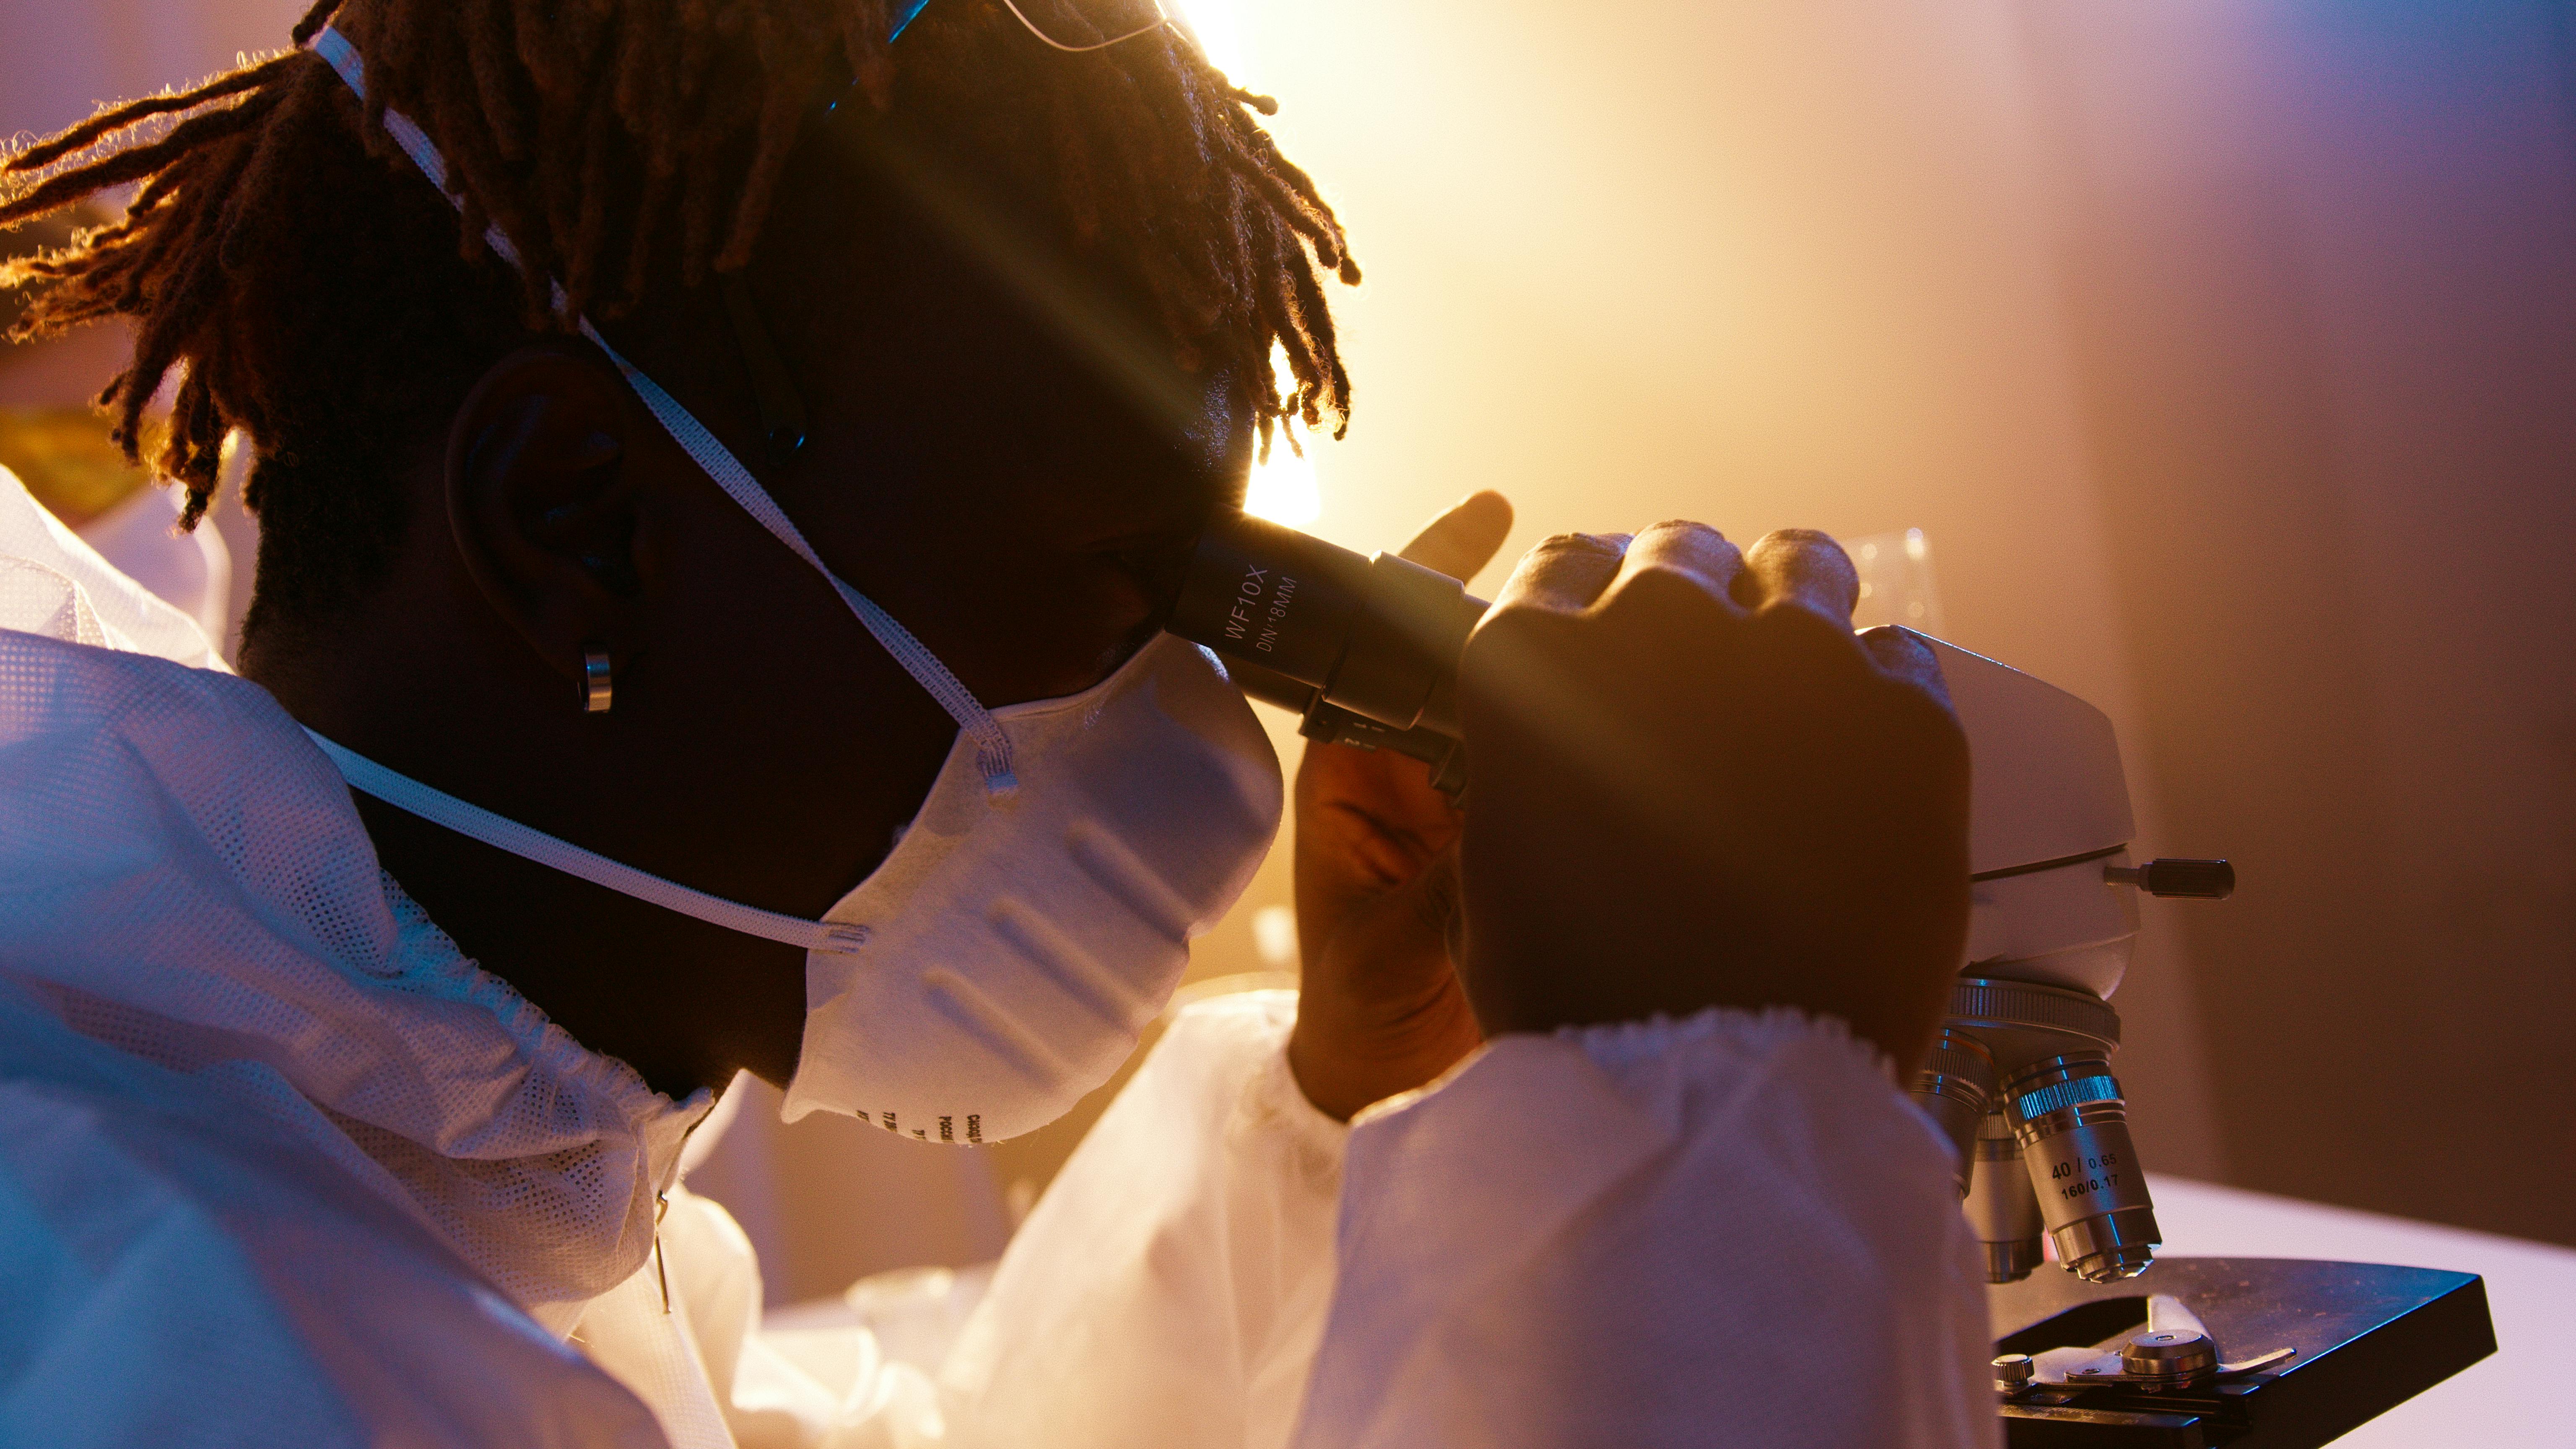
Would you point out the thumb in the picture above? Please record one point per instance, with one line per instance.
(1463, 540)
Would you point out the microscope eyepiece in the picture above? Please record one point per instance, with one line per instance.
(1364, 650)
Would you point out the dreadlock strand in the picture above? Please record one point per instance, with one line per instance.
(694, 34)
(864, 47)
(1275, 321)
(1077, 183)
(791, 66)
(560, 59)
(1258, 147)
(1178, 99)
(1243, 265)
(399, 31)
(1179, 92)
(88, 133)
(590, 237)
(253, 191)
(645, 107)
(769, 160)
(1317, 226)
(697, 215)
(156, 349)
(549, 195)
(1315, 343)
(313, 21)
(147, 199)
(120, 167)
(186, 454)
(646, 64)
(479, 173)
(491, 46)
(650, 213)
(1305, 378)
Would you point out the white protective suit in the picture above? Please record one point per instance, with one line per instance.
(279, 1166)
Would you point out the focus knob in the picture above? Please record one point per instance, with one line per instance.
(2200, 880)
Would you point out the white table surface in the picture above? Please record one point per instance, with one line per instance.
(2518, 1398)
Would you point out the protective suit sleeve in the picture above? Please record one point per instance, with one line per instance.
(1731, 1228)
(1169, 1288)
(53, 583)
(177, 1270)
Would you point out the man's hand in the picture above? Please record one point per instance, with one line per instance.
(1381, 1011)
(1690, 785)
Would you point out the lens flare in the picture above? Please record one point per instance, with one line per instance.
(1283, 488)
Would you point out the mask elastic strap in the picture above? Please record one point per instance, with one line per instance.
(502, 833)
(992, 745)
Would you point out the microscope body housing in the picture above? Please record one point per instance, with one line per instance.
(2021, 1078)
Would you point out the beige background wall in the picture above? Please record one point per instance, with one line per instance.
(60, 60)
(2320, 270)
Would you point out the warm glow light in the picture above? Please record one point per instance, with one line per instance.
(1274, 935)
(1283, 489)
(1219, 27)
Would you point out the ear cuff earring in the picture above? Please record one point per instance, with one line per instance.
(595, 685)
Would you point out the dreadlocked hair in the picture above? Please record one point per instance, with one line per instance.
(282, 258)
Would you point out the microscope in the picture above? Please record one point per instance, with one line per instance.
(2098, 1341)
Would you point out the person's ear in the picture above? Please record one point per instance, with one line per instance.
(543, 499)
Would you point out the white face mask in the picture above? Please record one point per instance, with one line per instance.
(1017, 944)
(1003, 959)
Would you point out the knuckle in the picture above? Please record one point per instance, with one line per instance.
(1898, 646)
(1799, 540)
(1803, 554)
(1661, 588)
(1801, 619)
(1904, 655)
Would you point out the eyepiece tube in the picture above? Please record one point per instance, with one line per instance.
(1364, 649)
(2073, 1129)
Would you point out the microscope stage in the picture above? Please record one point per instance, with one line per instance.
(2366, 1336)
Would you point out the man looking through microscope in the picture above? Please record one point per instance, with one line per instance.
(685, 744)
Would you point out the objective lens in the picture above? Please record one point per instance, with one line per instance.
(2073, 1129)
(1954, 1088)
(2001, 1209)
